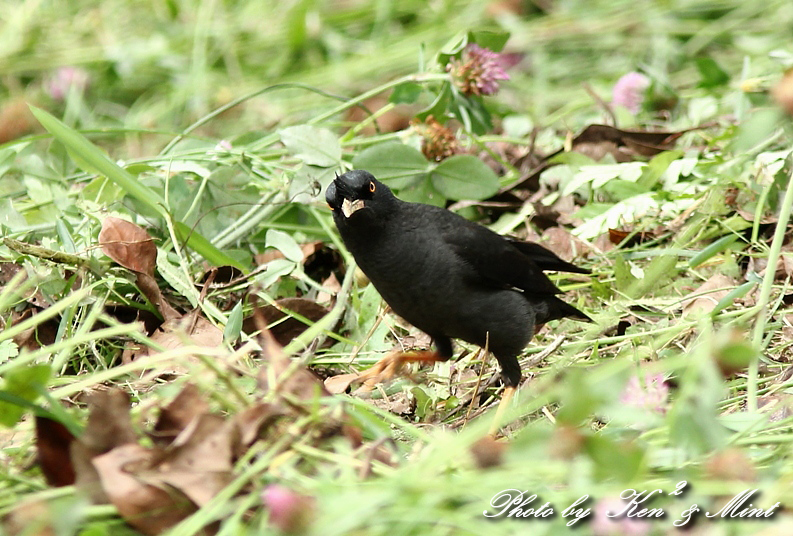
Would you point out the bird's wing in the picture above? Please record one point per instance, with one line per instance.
(545, 258)
(497, 261)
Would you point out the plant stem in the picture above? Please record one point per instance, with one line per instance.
(417, 78)
(765, 294)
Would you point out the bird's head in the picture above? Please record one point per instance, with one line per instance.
(357, 192)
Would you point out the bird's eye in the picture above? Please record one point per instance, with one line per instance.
(372, 187)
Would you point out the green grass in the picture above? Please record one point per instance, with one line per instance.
(275, 82)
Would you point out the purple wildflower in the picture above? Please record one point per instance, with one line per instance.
(629, 91)
(653, 395)
(478, 71)
(65, 79)
(290, 512)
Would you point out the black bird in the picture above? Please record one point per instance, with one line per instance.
(449, 277)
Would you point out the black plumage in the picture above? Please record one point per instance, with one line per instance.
(449, 277)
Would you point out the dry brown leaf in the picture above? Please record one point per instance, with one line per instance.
(339, 384)
(596, 141)
(108, 426)
(177, 415)
(129, 245)
(109, 423)
(617, 236)
(29, 518)
(708, 294)
(204, 445)
(43, 334)
(779, 406)
(251, 422)
(280, 373)
(765, 218)
(287, 327)
(399, 403)
(186, 330)
(33, 295)
(198, 462)
(564, 244)
(200, 487)
(148, 508)
(148, 285)
(53, 443)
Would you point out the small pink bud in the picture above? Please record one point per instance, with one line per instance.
(629, 91)
(653, 395)
(65, 79)
(290, 512)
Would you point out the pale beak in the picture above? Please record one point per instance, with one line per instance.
(348, 208)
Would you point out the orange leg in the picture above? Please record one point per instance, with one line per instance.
(509, 392)
(392, 364)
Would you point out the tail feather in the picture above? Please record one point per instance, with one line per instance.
(556, 309)
(545, 258)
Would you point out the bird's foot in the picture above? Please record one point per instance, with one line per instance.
(391, 365)
(384, 370)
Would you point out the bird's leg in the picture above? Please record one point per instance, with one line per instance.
(506, 398)
(392, 364)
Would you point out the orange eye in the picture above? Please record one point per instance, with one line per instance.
(372, 187)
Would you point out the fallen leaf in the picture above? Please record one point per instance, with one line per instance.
(205, 445)
(564, 244)
(250, 424)
(42, 334)
(280, 373)
(199, 461)
(129, 245)
(108, 426)
(779, 406)
(149, 287)
(53, 443)
(708, 294)
(177, 415)
(29, 518)
(287, 327)
(109, 423)
(189, 329)
(147, 508)
(617, 237)
(596, 141)
(339, 384)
